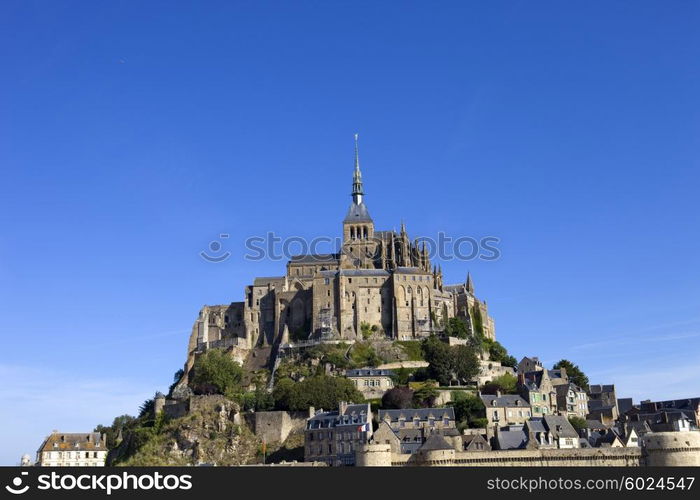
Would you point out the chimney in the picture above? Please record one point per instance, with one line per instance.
(343, 405)
(498, 393)
(312, 412)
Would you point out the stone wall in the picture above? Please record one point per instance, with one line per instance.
(601, 457)
(275, 426)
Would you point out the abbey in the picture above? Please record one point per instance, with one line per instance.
(378, 281)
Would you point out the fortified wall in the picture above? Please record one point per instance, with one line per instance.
(659, 449)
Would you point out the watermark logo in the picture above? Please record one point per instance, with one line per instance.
(16, 488)
(443, 247)
(216, 251)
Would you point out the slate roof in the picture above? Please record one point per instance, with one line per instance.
(560, 427)
(511, 439)
(608, 438)
(73, 441)
(436, 442)
(506, 400)
(357, 213)
(313, 258)
(536, 425)
(354, 415)
(368, 372)
(595, 424)
(412, 413)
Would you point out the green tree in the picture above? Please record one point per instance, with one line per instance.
(577, 423)
(467, 407)
(456, 327)
(401, 376)
(574, 373)
(321, 391)
(216, 373)
(426, 394)
(449, 363)
(465, 363)
(121, 424)
(439, 356)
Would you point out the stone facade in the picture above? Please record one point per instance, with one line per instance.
(379, 281)
(371, 382)
(537, 389)
(572, 401)
(503, 410)
(334, 436)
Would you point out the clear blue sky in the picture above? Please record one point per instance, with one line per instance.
(133, 133)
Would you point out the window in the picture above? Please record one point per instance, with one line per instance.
(350, 279)
(326, 281)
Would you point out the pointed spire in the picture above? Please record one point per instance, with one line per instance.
(403, 228)
(357, 190)
(470, 284)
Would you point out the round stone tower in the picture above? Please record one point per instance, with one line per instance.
(672, 449)
(373, 455)
(158, 404)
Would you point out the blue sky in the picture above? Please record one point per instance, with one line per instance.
(134, 133)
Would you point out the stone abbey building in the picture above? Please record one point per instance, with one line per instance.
(381, 280)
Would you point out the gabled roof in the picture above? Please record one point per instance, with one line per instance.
(506, 400)
(609, 437)
(560, 427)
(436, 442)
(595, 424)
(511, 439)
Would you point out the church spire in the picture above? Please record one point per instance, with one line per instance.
(470, 284)
(357, 191)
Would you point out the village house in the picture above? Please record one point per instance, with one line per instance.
(333, 436)
(572, 401)
(371, 382)
(602, 403)
(537, 389)
(60, 449)
(503, 410)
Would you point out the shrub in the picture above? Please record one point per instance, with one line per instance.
(216, 373)
(506, 383)
(456, 327)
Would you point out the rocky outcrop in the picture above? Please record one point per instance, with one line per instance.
(212, 432)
